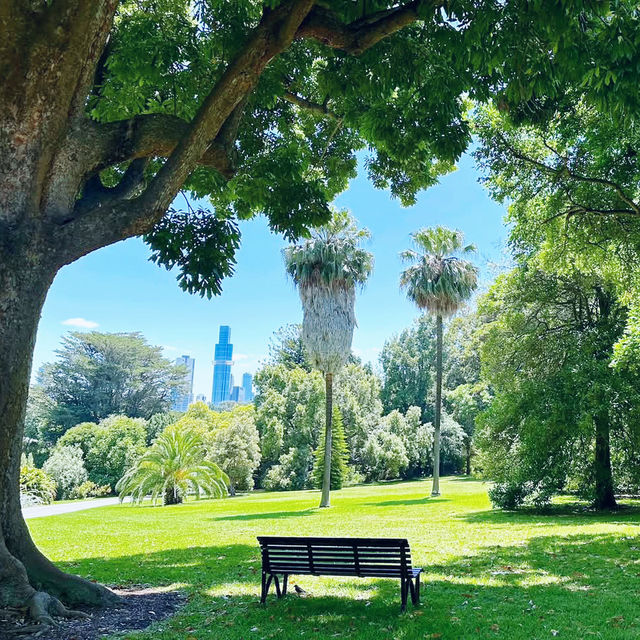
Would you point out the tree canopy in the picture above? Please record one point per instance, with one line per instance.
(96, 375)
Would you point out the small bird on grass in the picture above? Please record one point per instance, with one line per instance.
(300, 591)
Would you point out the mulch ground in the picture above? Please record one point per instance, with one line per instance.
(140, 608)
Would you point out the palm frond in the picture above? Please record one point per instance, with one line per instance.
(175, 462)
(326, 268)
(436, 281)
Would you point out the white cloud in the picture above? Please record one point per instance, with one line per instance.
(241, 356)
(168, 347)
(80, 323)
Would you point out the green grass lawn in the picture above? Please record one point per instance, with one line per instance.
(488, 574)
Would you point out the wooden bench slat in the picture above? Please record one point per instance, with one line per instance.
(332, 542)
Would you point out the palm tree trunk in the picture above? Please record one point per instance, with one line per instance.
(325, 500)
(435, 490)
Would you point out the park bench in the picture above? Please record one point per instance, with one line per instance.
(362, 557)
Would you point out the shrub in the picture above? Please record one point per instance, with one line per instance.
(36, 485)
(90, 489)
(291, 472)
(172, 467)
(353, 476)
(384, 455)
(511, 495)
(118, 443)
(66, 467)
(236, 449)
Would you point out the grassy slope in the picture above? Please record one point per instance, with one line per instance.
(488, 574)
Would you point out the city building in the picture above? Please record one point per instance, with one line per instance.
(181, 401)
(237, 394)
(222, 361)
(201, 398)
(247, 385)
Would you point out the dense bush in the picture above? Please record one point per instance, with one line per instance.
(236, 449)
(90, 489)
(36, 485)
(384, 455)
(511, 495)
(109, 447)
(452, 445)
(66, 467)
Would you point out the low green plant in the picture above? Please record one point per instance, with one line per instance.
(90, 489)
(36, 484)
(172, 467)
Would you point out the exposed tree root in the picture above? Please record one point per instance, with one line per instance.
(43, 608)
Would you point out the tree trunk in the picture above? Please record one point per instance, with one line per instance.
(604, 495)
(172, 496)
(325, 500)
(435, 490)
(27, 578)
(468, 465)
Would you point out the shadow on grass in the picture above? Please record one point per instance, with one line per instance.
(553, 515)
(268, 516)
(579, 586)
(408, 501)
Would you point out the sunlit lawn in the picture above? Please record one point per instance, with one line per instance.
(488, 574)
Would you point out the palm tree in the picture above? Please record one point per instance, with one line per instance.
(438, 281)
(174, 465)
(327, 267)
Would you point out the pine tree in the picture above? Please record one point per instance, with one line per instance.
(339, 455)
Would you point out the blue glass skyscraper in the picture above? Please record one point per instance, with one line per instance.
(222, 361)
(182, 401)
(247, 385)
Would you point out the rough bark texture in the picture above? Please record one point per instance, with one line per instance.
(325, 499)
(604, 495)
(435, 489)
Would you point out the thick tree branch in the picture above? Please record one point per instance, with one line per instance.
(104, 225)
(314, 107)
(97, 195)
(325, 26)
(146, 136)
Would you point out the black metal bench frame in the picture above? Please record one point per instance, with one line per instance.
(361, 557)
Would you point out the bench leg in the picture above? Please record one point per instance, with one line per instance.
(404, 587)
(266, 583)
(285, 583)
(278, 592)
(414, 587)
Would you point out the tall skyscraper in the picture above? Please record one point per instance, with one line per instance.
(247, 385)
(222, 361)
(182, 401)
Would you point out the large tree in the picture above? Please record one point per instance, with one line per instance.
(109, 108)
(327, 268)
(439, 282)
(558, 403)
(97, 375)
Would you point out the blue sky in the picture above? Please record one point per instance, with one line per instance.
(118, 289)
